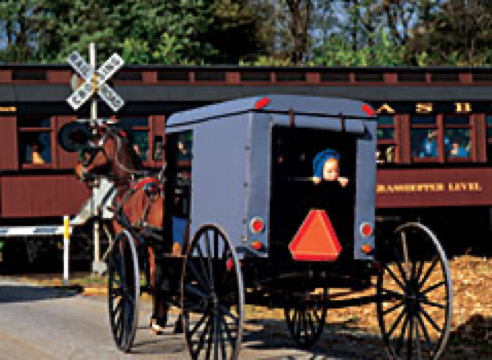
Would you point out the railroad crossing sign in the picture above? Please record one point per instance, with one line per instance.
(95, 81)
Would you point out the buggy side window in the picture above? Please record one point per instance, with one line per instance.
(178, 170)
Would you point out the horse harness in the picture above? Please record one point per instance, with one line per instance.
(152, 188)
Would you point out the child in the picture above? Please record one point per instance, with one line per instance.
(326, 167)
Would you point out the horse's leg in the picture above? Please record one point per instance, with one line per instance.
(159, 308)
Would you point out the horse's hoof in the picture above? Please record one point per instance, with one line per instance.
(155, 327)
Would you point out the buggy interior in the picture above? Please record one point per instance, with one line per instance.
(178, 187)
(294, 193)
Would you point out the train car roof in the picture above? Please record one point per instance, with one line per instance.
(330, 107)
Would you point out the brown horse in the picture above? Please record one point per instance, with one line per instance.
(139, 197)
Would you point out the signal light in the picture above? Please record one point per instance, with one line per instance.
(257, 245)
(366, 229)
(368, 110)
(260, 104)
(256, 225)
(366, 249)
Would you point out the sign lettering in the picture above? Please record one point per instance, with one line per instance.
(424, 108)
(95, 81)
(386, 108)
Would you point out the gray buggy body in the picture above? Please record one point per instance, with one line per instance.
(231, 166)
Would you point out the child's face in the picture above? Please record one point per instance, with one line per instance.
(330, 170)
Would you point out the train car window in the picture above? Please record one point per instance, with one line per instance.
(386, 151)
(489, 128)
(424, 143)
(35, 141)
(158, 148)
(140, 128)
(457, 138)
(424, 137)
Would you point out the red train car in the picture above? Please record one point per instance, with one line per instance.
(434, 138)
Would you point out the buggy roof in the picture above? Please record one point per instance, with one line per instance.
(331, 107)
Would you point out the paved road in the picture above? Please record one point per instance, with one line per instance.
(45, 323)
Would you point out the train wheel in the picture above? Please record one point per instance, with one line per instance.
(123, 290)
(212, 298)
(306, 317)
(415, 299)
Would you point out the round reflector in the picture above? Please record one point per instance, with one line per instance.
(256, 225)
(257, 245)
(366, 229)
(366, 249)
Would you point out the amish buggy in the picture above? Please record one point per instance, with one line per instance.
(268, 201)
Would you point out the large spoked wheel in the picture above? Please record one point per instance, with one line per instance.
(123, 290)
(212, 298)
(415, 299)
(305, 316)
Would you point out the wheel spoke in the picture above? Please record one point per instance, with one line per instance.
(202, 338)
(224, 311)
(198, 277)
(209, 259)
(433, 287)
(432, 322)
(216, 337)
(210, 339)
(396, 323)
(205, 270)
(417, 340)
(199, 323)
(432, 303)
(428, 272)
(393, 308)
(392, 274)
(394, 293)
(426, 334)
(410, 340)
(401, 338)
(229, 335)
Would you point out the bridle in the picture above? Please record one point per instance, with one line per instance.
(95, 148)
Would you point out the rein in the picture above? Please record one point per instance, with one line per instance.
(119, 146)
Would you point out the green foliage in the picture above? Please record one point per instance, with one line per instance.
(339, 52)
(143, 31)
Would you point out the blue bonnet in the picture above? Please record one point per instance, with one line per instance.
(321, 158)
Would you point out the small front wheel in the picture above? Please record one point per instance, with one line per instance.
(123, 290)
(415, 299)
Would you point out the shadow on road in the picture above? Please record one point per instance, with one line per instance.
(15, 292)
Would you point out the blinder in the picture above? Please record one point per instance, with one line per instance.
(75, 136)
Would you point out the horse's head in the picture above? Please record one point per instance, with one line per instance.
(105, 150)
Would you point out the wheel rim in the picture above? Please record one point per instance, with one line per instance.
(212, 297)
(415, 295)
(305, 317)
(123, 291)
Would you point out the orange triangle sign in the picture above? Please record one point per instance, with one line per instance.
(316, 239)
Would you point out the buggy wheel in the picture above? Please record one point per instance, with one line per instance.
(306, 317)
(212, 298)
(123, 290)
(415, 300)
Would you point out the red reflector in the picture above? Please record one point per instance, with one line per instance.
(257, 245)
(366, 249)
(256, 225)
(368, 110)
(366, 229)
(315, 240)
(260, 104)
(230, 264)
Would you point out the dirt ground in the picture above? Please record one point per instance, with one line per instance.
(471, 336)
